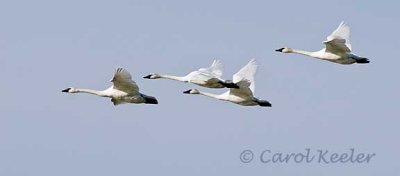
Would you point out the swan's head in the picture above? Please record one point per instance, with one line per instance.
(70, 90)
(285, 50)
(191, 91)
(152, 76)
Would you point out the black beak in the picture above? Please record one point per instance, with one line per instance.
(187, 92)
(279, 50)
(147, 77)
(66, 90)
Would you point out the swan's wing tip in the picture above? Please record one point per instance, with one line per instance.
(123, 72)
(216, 61)
(215, 70)
(119, 69)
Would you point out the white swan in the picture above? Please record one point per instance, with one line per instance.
(337, 48)
(123, 90)
(243, 95)
(207, 77)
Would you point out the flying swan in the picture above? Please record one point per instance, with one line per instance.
(123, 90)
(207, 77)
(337, 48)
(243, 95)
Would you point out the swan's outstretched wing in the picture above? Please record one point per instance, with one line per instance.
(339, 40)
(247, 73)
(215, 69)
(244, 89)
(205, 74)
(122, 81)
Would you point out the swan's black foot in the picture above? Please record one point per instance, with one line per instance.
(229, 84)
(264, 103)
(150, 100)
(362, 60)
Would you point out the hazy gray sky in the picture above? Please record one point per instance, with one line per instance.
(46, 46)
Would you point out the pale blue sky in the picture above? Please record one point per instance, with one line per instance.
(47, 45)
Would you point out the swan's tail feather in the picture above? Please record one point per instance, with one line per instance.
(264, 103)
(150, 100)
(362, 60)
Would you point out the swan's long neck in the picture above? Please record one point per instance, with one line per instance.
(210, 95)
(178, 78)
(307, 53)
(94, 92)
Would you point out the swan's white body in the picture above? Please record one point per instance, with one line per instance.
(242, 95)
(207, 77)
(337, 48)
(123, 90)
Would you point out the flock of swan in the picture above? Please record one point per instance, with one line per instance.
(240, 88)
